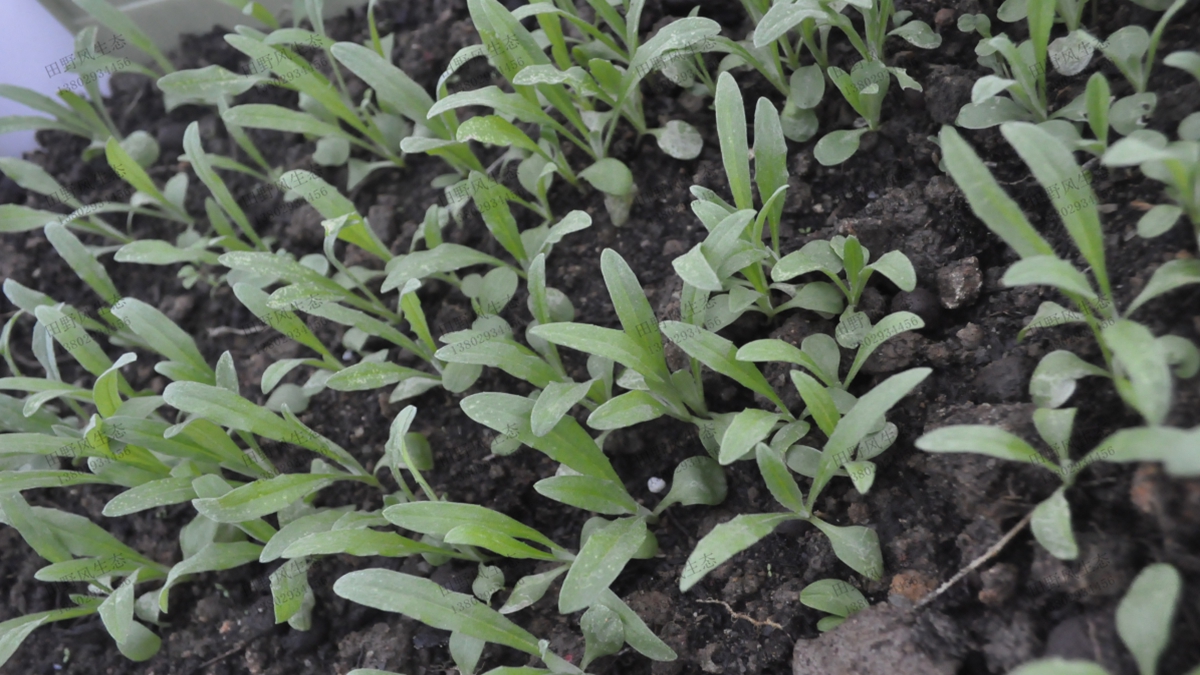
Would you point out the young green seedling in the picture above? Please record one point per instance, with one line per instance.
(1176, 164)
(572, 90)
(856, 546)
(838, 598)
(1139, 363)
(1051, 521)
(832, 258)
(1132, 49)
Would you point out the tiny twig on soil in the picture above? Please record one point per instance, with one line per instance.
(226, 330)
(229, 653)
(739, 615)
(987, 555)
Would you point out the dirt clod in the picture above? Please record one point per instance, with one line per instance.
(959, 283)
(880, 640)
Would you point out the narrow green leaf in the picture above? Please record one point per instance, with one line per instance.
(1144, 362)
(555, 401)
(431, 604)
(727, 540)
(1051, 525)
(818, 401)
(633, 309)
(1055, 168)
(626, 410)
(260, 498)
(213, 557)
(1145, 614)
(779, 479)
(599, 562)
(746, 429)
(358, 542)
(589, 493)
(731, 128)
(719, 354)
(988, 201)
(862, 420)
(438, 518)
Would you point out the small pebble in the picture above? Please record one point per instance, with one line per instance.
(656, 484)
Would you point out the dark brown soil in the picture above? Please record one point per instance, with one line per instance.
(933, 514)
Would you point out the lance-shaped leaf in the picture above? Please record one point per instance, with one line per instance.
(980, 439)
(202, 165)
(779, 479)
(82, 261)
(747, 428)
(160, 333)
(393, 87)
(590, 493)
(599, 562)
(162, 492)
(446, 257)
(260, 498)
(1049, 271)
(554, 402)
(1054, 378)
(530, 589)
(626, 410)
(778, 350)
(606, 342)
(1055, 168)
(439, 518)
(1145, 614)
(719, 354)
(988, 201)
(429, 603)
(863, 419)
(731, 128)
(727, 540)
(132, 172)
(1178, 449)
(1144, 363)
(332, 205)
(1051, 525)
(359, 542)
(818, 401)
(567, 443)
(1170, 276)
(75, 340)
(502, 544)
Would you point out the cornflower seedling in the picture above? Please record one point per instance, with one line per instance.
(572, 91)
(735, 240)
(86, 117)
(1051, 522)
(1021, 73)
(838, 598)
(855, 545)
(30, 176)
(832, 258)
(1139, 364)
(1131, 49)
(381, 128)
(1176, 164)
(864, 90)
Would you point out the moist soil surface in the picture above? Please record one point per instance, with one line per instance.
(934, 514)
